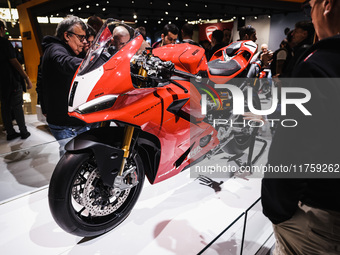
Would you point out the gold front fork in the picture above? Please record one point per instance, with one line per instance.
(128, 133)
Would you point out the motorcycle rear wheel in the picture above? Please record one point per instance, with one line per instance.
(79, 201)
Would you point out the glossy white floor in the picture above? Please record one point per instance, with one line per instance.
(177, 216)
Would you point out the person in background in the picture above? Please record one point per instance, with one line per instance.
(216, 42)
(187, 32)
(206, 46)
(247, 33)
(282, 56)
(59, 63)
(90, 35)
(169, 36)
(145, 44)
(302, 38)
(13, 78)
(95, 22)
(226, 36)
(264, 48)
(121, 37)
(305, 211)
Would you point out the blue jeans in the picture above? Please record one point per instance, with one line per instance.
(63, 134)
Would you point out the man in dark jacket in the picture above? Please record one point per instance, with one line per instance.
(13, 82)
(59, 64)
(216, 42)
(304, 205)
(302, 39)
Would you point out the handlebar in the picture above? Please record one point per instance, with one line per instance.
(187, 75)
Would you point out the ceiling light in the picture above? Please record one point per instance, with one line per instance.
(135, 16)
(56, 20)
(186, 4)
(71, 10)
(166, 13)
(136, 21)
(42, 20)
(206, 6)
(159, 22)
(145, 21)
(169, 2)
(243, 18)
(107, 2)
(87, 6)
(255, 17)
(176, 18)
(79, 8)
(97, 4)
(132, 1)
(104, 9)
(234, 17)
(150, 2)
(269, 16)
(169, 22)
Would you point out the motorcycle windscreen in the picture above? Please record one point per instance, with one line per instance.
(111, 38)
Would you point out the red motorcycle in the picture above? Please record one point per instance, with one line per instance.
(152, 123)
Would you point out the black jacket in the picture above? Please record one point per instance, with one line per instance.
(214, 49)
(316, 138)
(296, 54)
(59, 64)
(10, 80)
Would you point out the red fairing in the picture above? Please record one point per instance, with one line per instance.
(157, 113)
(186, 57)
(152, 105)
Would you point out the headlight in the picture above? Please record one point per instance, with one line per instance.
(98, 104)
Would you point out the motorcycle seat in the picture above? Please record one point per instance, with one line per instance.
(223, 68)
(233, 48)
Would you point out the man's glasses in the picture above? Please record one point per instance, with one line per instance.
(80, 37)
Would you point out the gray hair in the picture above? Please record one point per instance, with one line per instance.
(67, 25)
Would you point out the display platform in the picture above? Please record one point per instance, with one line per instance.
(177, 216)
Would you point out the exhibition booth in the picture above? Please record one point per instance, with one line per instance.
(182, 215)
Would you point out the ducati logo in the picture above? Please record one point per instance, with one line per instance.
(209, 30)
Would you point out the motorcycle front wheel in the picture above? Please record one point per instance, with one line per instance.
(82, 204)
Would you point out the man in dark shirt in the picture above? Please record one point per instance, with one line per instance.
(13, 79)
(305, 210)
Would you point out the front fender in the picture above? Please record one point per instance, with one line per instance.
(105, 143)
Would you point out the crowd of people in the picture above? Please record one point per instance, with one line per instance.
(305, 212)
